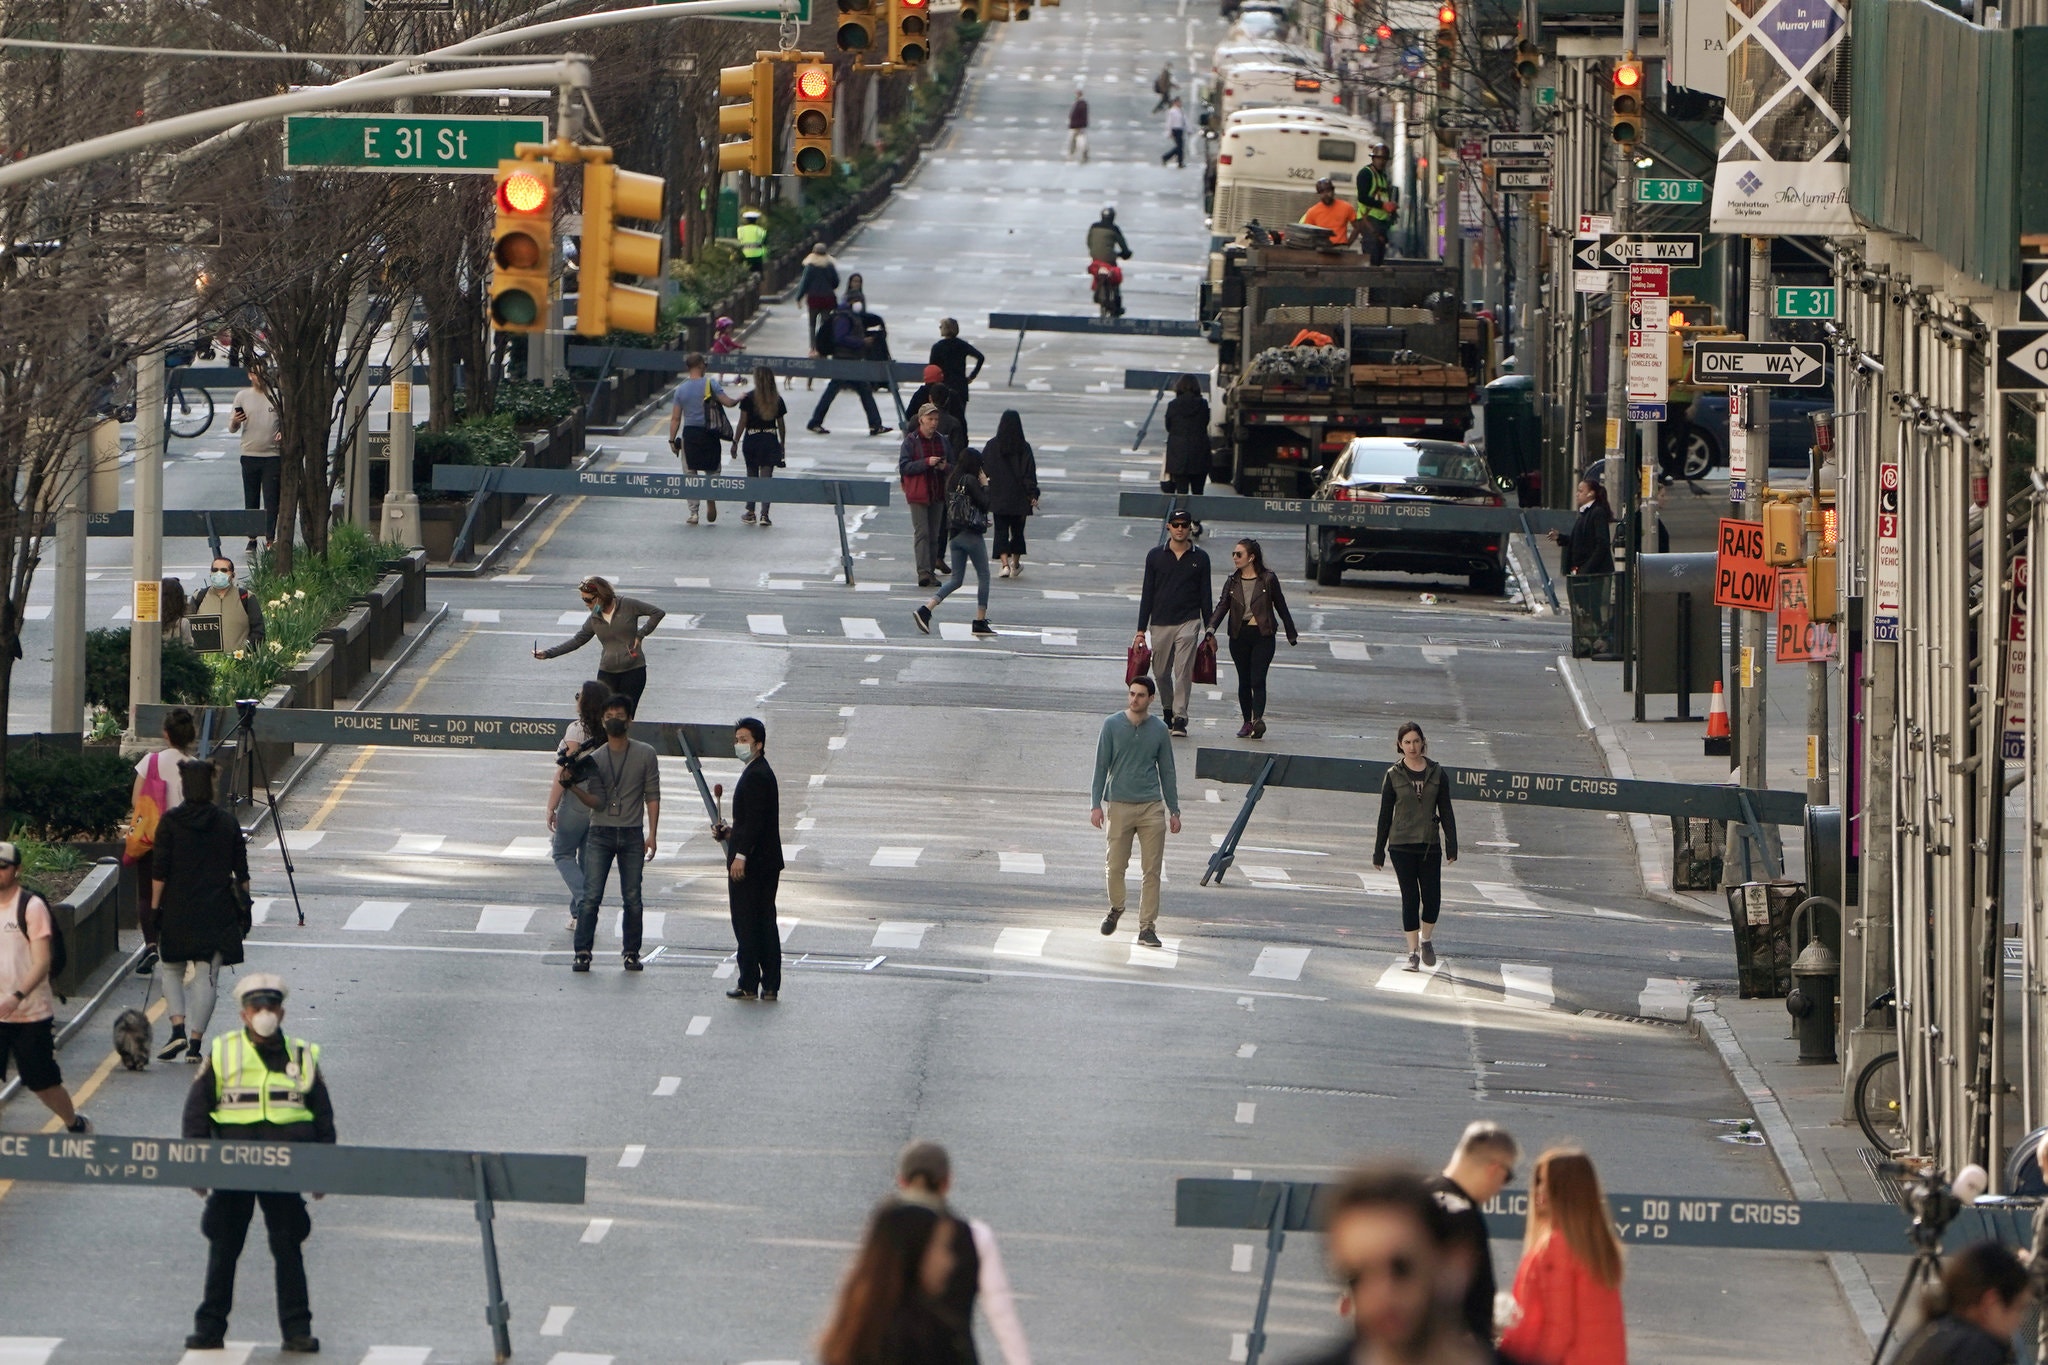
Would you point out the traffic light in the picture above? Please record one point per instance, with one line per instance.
(856, 25)
(752, 118)
(1383, 34)
(1528, 60)
(812, 154)
(610, 194)
(910, 23)
(1446, 43)
(1628, 100)
(523, 246)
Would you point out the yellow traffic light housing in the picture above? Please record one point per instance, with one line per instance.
(1823, 588)
(751, 118)
(1784, 534)
(1628, 101)
(910, 36)
(812, 152)
(610, 194)
(856, 25)
(1528, 60)
(523, 246)
(1446, 43)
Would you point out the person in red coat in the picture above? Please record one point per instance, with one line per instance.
(1568, 1287)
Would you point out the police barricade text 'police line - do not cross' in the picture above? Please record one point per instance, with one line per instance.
(837, 493)
(483, 1178)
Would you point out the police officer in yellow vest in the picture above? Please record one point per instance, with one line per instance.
(258, 1084)
(753, 240)
(1379, 203)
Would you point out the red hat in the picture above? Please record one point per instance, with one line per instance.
(933, 374)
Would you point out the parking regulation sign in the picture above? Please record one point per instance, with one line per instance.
(1887, 583)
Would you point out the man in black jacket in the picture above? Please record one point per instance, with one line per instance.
(1479, 1170)
(753, 849)
(1177, 598)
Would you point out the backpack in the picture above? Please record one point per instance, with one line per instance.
(60, 958)
(849, 338)
(962, 512)
(150, 806)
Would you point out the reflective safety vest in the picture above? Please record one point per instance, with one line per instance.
(1374, 190)
(246, 1090)
(753, 241)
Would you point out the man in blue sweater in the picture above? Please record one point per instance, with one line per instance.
(1136, 795)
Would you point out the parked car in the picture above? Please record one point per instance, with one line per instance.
(1390, 469)
(1699, 443)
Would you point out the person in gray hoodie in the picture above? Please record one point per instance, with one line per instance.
(1419, 830)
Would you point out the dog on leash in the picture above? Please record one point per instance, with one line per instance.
(132, 1038)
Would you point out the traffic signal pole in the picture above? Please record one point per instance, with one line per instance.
(1752, 660)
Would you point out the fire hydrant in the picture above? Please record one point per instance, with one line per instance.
(1816, 975)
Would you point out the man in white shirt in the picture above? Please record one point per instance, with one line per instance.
(1177, 129)
(256, 419)
(924, 1175)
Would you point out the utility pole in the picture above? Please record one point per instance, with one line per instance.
(1621, 483)
(356, 469)
(67, 673)
(1528, 310)
(1753, 670)
(145, 638)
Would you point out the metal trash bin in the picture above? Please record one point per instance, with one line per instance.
(1761, 913)
(1593, 598)
(1514, 436)
(1699, 848)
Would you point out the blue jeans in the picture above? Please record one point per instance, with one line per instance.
(572, 822)
(968, 547)
(601, 846)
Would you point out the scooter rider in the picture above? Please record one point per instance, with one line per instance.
(1106, 240)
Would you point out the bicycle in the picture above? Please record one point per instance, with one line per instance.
(1880, 1111)
(187, 412)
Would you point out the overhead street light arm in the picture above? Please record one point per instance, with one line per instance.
(571, 73)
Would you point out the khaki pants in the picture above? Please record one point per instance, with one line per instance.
(1173, 663)
(1145, 820)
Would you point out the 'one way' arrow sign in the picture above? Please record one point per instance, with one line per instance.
(2023, 358)
(2034, 291)
(1783, 364)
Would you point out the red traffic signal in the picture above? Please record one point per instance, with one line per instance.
(1385, 33)
(523, 192)
(1446, 15)
(1627, 76)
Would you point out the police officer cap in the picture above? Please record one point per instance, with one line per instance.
(260, 983)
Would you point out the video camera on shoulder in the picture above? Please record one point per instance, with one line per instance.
(579, 763)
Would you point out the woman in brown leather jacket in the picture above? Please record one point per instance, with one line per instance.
(1256, 608)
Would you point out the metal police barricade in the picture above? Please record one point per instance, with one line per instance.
(1159, 381)
(1278, 1207)
(1749, 806)
(883, 373)
(1021, 323)
(631, 484)
(1389, 516)
(484, 1178)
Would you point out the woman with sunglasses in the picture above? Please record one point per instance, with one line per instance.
(1568, 1288)
(1256, 608)
(616, 623)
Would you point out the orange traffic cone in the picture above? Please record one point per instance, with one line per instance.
(1719, 745)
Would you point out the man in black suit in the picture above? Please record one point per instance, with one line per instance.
(753, 851)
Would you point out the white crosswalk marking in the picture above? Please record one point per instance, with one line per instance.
(631, 1157)
(529, 846)
(1166, 956)
(1281, 964)
(1022, 942)
(503, 919)
(1032, 864)
(595, 1233)
(27, 1350)
(234, 1353)
(1506, 895)
(1265, 875)
(483, 616)
(1665, 997)
(1527, 985)
(1350, 649)
(652, 923)
(1438, 654)
(373, 917)
(297, 840)
(861, 628)
(578, 1358)
(631, 457)
(767, 625)
(895, 857)
(572, 618)
(397, 1355)
(259, 909)
(1068, 636)
(899, 934)
(1399, 979)
(39, 612)
(1241, 1258)
(1058, 595)
(557, 1320)
(1247, 1112)
(692, 583)
(955, 630)
(419, 843)
(668, 1085)
(785, 927)
(697, 1025)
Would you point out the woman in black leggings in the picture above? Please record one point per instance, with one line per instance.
(1255, 607)
(1419, 830)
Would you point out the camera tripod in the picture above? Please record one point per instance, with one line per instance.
(1933, 1206)
(245, 731)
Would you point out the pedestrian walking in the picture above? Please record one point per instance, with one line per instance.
(924, 462)
(1379, 203)
(569, 821)
(1162, 86)
(619, 625)
(227, 616)
(699, 428)
(924, 1176)
(1390, 1250)
(1187, 440)
(255, 417)
(1480, 1169)
(760, 437)
(966, 513)
(1135, 795)
(625, 812)
(28, 1037)
(1176, 598)
(1568, 1286)
(1077, 128)
(201, 888)
(951, 354)
(1256, 609)
(753, 239)
(1177, 130)
(842, 335)
(856, 295)
(1420, 832)
(818, 284)
(1012, 489)
(890, 1310)
(1975, 1312)
(148, 799)
(259, 1084)
(753, 865)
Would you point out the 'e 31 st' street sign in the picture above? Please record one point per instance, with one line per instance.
(433, 144)
(1803, 301)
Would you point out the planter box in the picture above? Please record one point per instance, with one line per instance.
(412, 567)
(386, 602)
(89, 918)
(351, 639)
(312, 678)
(439, 521)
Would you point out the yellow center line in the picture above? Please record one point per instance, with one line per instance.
(355, 769)
(81, 1096)
(541, 541)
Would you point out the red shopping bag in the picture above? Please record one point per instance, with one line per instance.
(1137, 662)
(1205, 660)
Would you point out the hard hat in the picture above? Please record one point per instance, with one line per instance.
(750, 213)
(1377, 147)
(1326, 184)
(260, 983)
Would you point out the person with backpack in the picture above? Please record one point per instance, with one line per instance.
(761, 437)
(923, 463)
(202, 894)
(147, 801)
(227, 612)
(843, 335)
(31, 955)
(966, 510)
(699, 428)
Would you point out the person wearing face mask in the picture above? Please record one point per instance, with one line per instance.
(618, 624)
(200, 880)
(624, 789)
(259, 1084)
(237, 611)
(753, 850)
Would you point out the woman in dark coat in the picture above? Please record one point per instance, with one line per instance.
(1187, 439)
(1419, 831)
(1587, 545)
(1012, 489)
(201, 879)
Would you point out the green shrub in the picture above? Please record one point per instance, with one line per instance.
(61, 795)
(186, 681)
(534, 404)
(474, 440)
(297, 607)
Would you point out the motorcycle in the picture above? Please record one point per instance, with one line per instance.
(1108, 287)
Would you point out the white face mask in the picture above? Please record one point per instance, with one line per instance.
(265, 1022)
(743, 751)
(219, 579)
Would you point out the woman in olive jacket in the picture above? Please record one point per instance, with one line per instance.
(1418, 829)
(1256, 608)
(1187, 439)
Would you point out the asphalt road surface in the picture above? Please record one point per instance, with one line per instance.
(945, 974)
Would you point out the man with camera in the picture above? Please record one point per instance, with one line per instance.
(623, 790)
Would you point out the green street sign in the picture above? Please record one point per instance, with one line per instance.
(765, 16)
(1671, 192)
(1803, 301)
(435, 144)
(1546, 95)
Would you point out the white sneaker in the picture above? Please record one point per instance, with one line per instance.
(691, 520)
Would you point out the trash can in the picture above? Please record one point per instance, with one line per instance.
(1761, 913)
(1592, 599)
(1698, 849)
(1514, 436)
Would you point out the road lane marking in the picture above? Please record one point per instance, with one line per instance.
(668, 1085)
(956, 631)
(1166, 956)
(529, 846)
(397, 1355)
(373, 917)
(572, 618)
(899, 934)
(1271, 876)
(861, 628)
(1241, 1258)
(235, 1353)
(1350, 649)
(307, 838)
(557, 1320)
(1399, 979)
(483, 616)
(594, 1234)
(1240, 1173)
(630, 1158)
(1247, 1049)
(1058, 595)
(503, 919)
(1281, 964)
(1022, 942)
(693, 582)
(1031, 864)
(767, 625)
(888, 856)
(419, 844)
(299, 840)
(1527, 985)
(785, 927)
(259, 910)
(1507, 895)
(1069, 636)
(578, 1358)
(28, 1350)
(540, 541)
(652, 923)
(1247, 1112)
(1240, 1348)
(698, 1023)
